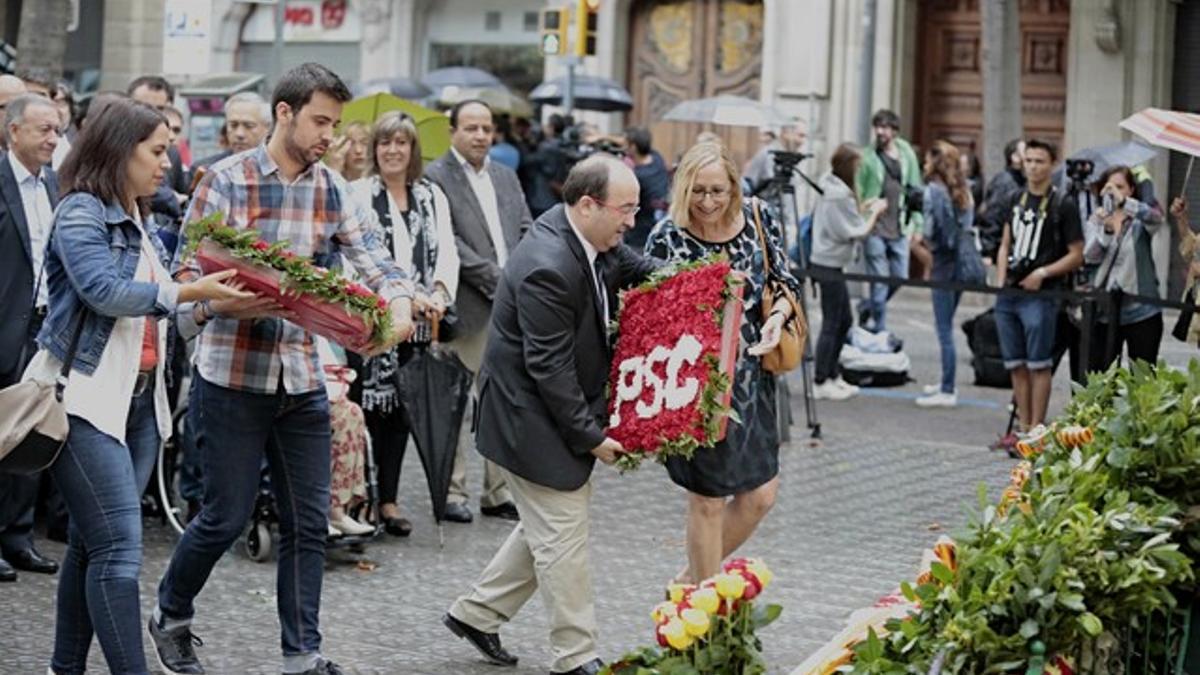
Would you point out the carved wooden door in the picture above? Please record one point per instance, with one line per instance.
(688, 49)
(949, 74)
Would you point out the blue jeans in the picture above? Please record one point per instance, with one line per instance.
(885, 258)
(234, 430)
(101, 482)
(1026, 326)
(944, 304)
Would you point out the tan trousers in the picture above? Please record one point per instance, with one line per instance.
(469, 349)
(547, 551)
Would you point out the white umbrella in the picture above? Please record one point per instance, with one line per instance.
(736, 111)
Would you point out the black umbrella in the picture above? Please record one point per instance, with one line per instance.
(403, 87)
(435, 389)
(591, 93)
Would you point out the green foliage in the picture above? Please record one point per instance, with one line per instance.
(1107, 539)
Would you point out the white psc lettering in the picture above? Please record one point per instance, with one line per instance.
(636, 373)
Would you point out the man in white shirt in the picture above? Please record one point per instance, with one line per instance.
(488, 210)
(28, 193)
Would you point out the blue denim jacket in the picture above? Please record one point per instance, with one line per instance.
(944, 224)
(93, 256)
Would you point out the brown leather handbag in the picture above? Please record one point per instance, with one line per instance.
(790, 350)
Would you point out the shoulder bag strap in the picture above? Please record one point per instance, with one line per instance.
(762, 238)
(60, 383)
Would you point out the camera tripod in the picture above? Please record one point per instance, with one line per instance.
(780, 194)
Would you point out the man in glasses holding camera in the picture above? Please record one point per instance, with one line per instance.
(890, 171)
(1040, 245)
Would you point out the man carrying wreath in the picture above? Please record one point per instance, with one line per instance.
(542, 411)
(259, 387)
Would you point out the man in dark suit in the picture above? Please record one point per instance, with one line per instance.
(28, 194)
(489, 216)
(542, 411)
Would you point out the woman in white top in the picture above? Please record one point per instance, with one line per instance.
(413, 216)
(110, 292)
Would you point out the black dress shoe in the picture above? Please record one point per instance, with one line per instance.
(458, 513)
(30, 560)
(507, 511)
(488, 644)
(7, 573)
(397, 527)
(590, 668)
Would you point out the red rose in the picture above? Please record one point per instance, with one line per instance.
(260, 245)
(382, 304)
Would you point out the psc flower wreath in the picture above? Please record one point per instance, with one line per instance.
(672, 373)
(324, 302)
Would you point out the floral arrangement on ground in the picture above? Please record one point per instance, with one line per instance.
(707, 628)
(1087, 560)
(671, 377)
(299, 276)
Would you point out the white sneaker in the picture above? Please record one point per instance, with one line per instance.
(846, 385)
(830, 391)
(334, 532)
(931, 389)
(938, 399)
(348, 525)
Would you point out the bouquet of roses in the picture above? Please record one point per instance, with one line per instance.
(672, 371)
(708, 628)
(322, 301)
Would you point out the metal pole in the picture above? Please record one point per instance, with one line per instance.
(866, 70)
(569, 94)
(277, 48)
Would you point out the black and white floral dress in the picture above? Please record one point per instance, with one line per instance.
(748, 456)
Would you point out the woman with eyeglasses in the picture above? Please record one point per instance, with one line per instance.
(104, 274)
(732, 484)
(414, 218)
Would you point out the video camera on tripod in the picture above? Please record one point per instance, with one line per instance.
(575, 148)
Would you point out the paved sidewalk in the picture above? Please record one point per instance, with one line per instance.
(853, 514)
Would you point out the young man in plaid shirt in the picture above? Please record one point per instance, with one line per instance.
(259, 388)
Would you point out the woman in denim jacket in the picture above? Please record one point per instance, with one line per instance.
(948, 211)
(103, 269)
(1117, 237)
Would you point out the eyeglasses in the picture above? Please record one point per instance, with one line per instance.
(718, 193)
(627, 210)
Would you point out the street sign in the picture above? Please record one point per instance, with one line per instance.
(187, 37)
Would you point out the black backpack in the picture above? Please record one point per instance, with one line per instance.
(986, 361)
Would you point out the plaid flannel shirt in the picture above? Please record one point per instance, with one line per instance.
(315, 215)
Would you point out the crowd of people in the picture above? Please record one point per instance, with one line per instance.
(509, 246)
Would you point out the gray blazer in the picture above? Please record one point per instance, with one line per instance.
(479, 272)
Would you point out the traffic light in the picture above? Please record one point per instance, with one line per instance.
(554, 31)
(585, 27)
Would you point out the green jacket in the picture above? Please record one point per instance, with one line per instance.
(869, 182)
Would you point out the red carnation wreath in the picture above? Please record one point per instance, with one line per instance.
(323, 301)
(672, 373)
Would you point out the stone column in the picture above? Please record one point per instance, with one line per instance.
(133, 42)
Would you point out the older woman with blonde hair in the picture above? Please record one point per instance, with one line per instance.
(732, 484)
(413, 216)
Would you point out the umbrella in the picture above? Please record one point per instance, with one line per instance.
(736, 111)
(501, 100)
(591, 93)
(435, 389)
(1126, 153)
(433, 128)
(1178, 131)
(459, 76)
(404, 87)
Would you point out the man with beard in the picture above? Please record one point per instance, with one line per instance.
(259, 388)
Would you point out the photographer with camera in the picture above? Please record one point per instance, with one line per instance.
(1040, 245)
(1117, 240)
(892, 172)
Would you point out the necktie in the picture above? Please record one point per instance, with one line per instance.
(601, 291)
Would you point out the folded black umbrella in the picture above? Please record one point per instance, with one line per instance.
(436, 389)
(590, 93)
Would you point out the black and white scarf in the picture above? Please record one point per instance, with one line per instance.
(380, 384)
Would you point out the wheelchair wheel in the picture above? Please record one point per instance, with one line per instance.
(258, 542)
(174, 506)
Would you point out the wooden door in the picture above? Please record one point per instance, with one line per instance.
(688, 49)
(949, 75)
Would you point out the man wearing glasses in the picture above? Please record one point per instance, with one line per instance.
(488, 210)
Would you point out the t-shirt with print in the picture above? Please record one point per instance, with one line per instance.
(1041, 227)
(888, 225)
